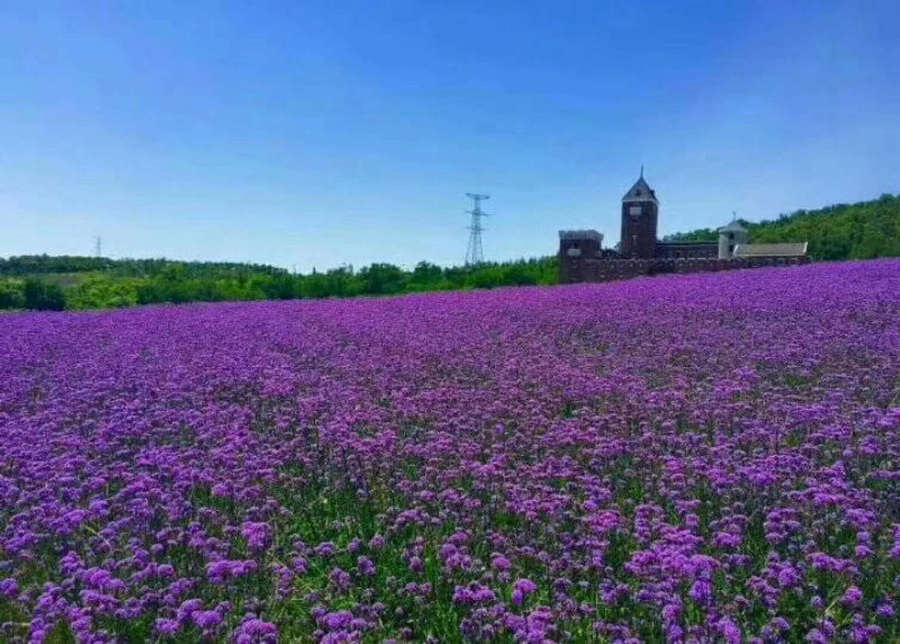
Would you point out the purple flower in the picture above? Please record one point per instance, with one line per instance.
(9, 588)
(167, 627)
(207, 619)
(885, 610)
(863, 551)
(255, 631)
(522, 588)
(501, 563)
(365, 566)
(730, 631)
(701, 591)
(219, 572)
(852, 596)
(815, 636)
(341, 579)
(325, 550)
(336, 621)
(671, 612)
(257, 534)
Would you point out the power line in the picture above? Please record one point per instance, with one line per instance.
(474, 252)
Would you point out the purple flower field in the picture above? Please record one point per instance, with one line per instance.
(699, 458)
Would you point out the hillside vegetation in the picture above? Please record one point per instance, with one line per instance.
(862, 230)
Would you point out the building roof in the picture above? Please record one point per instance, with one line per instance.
(791, 249)
(640, 191)
(733, 227)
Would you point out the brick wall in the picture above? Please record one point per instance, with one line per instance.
(686, 250)
(589, 269)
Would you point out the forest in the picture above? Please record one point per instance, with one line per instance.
(862, 230)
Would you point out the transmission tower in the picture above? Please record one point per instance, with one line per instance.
(98, 246)
(474, 253)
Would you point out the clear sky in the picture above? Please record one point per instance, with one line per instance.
(321, 133)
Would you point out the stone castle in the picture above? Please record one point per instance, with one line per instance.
(582, 257)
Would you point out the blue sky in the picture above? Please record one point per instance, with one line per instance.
(321, 133)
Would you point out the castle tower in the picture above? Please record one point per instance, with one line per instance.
(576, 250)
(730, 236)
(640, 210)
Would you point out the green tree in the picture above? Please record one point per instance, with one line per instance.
(43, 296)
(103, 292)
(11, 295)
(426, 276)
(382, 279)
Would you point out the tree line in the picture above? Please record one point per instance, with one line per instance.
(23, 265)
(180, 282)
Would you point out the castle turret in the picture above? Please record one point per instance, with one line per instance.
(729, 237)
(640, 210)
(575, 247)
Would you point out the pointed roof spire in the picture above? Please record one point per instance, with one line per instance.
(641, 190)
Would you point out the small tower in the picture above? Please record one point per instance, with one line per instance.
(640, 210)
(730, 236)
(580, 243)
(576, 250)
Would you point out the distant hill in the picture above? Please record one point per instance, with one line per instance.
(861, 230)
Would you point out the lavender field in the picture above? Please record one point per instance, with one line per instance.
(701, 458)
